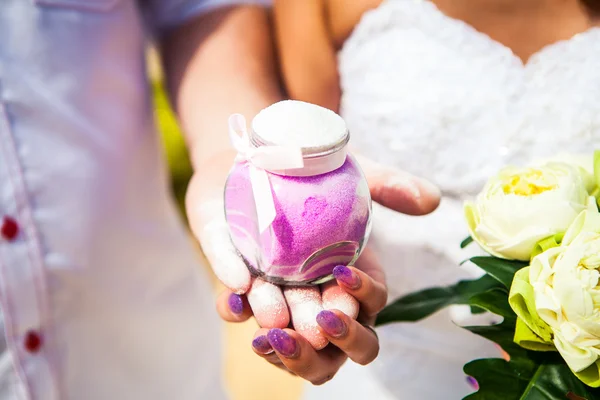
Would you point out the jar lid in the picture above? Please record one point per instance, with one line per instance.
(318, 131)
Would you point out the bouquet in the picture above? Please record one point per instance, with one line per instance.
(540, 227)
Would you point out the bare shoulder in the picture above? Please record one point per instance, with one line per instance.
(343, 15)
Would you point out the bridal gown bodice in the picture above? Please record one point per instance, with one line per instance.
(433, 96)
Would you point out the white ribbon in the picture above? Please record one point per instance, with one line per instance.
(262, 159)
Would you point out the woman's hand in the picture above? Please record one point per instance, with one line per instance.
(356, 288)
(348, 337)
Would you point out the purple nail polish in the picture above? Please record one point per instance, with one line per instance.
(262, 345)
(331, 323)
(473, 382)
(283, 343)
(236, 304)
(345, 275)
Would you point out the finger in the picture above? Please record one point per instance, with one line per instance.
(359, 343)
(268, 304)
(336, 298)
(371, 295)
(305, 303)
(399, 190)
(233, 307)
(299, 356)
(260, 343)
(263, 349)
(370, 265)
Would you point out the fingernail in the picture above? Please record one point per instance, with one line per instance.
(429, 188)
(473, 382)
(283, 343)
(347, 277)
(262, 345)
(401, 181)
(236, 304)
(331, 324)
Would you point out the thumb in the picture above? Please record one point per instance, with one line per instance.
(207, 222)
(399, 190)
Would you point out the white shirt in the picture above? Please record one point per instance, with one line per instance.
(100, 288)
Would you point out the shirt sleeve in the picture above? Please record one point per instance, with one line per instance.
(162, 15)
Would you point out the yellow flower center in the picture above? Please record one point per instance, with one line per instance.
(528, 183)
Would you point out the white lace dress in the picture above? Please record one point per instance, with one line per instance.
(430, 94)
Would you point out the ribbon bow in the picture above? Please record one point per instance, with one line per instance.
(262, 159)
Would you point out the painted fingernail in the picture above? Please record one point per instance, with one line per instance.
(262, 345)
(331, 323)
(236, 304)
(473, 382)
(347, 277)
(283, 343)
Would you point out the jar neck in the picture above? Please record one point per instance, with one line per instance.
(317, 160)
(318, 165)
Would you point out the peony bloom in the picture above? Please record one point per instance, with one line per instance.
(521, 206)
(557, 298)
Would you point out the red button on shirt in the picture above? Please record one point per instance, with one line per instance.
(9, 229)
(32, 342)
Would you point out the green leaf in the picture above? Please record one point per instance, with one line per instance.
(501, 270)
(468, 240)
(499, 379)
(495, 301)
(424, 303)
(477, 310)
(526, 379)
(501, 334)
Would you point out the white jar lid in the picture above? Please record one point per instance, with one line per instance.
(318, 131)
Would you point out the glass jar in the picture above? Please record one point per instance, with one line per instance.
(321, 209)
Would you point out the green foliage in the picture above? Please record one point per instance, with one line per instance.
(501, 270)
(180, 168)
(526, 379)
(529, 375)
(468, 240)
(422, 304)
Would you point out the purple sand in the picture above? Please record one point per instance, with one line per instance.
(312, 213)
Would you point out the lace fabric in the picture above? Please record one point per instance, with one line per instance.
(432, 95)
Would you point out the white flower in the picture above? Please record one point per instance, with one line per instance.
(567, 295)
(521, 206)
(583, 161)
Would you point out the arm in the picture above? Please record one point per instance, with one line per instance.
(218, 64)
(307, 52)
